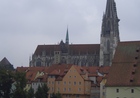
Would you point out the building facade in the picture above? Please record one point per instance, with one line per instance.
(83, 54)
(123, 79)
(70, 81)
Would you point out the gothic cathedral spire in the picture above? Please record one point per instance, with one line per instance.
(67, 37)
(109, 34)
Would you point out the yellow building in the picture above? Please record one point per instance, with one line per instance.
(70, 81)
(73, 83)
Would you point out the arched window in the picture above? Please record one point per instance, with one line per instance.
(108, 45)
(38, 63)
(108, 27)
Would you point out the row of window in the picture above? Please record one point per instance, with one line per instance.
(74, 83)
(37, 83)
(69, 96)
(77, 96)
(72, 70)
(132, 90)
(71, 76)
(64, 89)
(68, 89)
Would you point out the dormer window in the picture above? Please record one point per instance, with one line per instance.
(131, 80)
(136, 57)
(135, 65)
(138, 49)
(133, 73)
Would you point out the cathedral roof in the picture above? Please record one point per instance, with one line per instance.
(73, 49)
(125, 69)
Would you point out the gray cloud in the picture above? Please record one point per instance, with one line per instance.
(26, 23)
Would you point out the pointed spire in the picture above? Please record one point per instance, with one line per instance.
(110, 19)
(111, 9)
(67, 36)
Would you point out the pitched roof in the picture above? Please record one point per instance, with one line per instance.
(26, 69)
(21, 69)
(42, 78)
(73, 49)
(59, 68)
(4, 61)
(125, 69)
(47, 48)
(32, 73)
(104, 69)
(84, 48)
(54, 72)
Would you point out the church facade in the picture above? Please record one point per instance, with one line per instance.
(83, 54)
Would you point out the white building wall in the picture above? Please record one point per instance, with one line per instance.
(124, 92)
(35, 85)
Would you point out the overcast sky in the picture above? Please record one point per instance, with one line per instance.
(24, 24)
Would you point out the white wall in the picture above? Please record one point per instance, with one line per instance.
(124, 92)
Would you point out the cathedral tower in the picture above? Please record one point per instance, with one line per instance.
(109, 34)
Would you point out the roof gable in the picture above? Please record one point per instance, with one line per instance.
(73, 73)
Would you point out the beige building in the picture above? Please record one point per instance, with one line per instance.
(124, 77)
(74, 84)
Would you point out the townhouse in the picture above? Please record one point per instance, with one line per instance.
(70, 81)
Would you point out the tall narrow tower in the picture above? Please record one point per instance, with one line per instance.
(67, 37)
(109, 34)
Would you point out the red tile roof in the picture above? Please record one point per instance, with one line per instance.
(42, 78)
(30, 75)
(59, 68)
(104, 69)
(60, 71)
(125, 69)
(73, 49)
(49, 49)
(21, 69)
(54, 72)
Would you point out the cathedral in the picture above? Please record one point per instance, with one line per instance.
(83, 54)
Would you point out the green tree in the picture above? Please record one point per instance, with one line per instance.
(20, 79)
(5, 83)
(39, 93)
(57, 95)
(30, 93)
(53, 95)
(45, 90)
(42, 91)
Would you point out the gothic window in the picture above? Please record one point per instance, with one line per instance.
(83, 62)
(106, 59)
(108, 27)
(76, 61)
(38, 63)
(108, 45)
